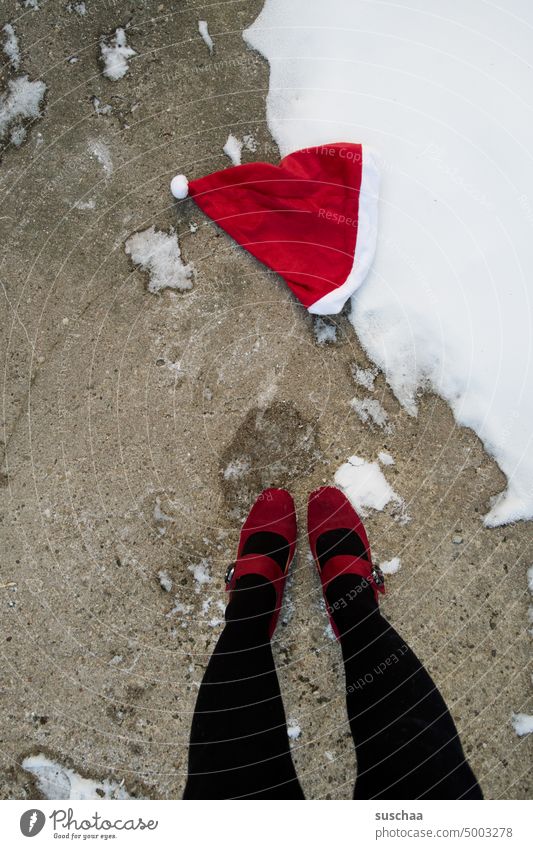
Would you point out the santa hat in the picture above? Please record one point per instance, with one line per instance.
(312, 218)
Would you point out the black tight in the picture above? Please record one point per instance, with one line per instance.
(406, 742)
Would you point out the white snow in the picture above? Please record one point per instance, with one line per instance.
(370, 410)
(159, 254)
(293, 729)
(11, 46)
(443, 93)
(365, 485)
(233, 148)
(60, 782)
(364, 377)
(204, 32)
(522, 723)
(21, 102)
(165, 580)
(390, 567)
(530, 579)
(325, 331)
(385, 458)
(200, 573)
(115, 53)
(101, 152)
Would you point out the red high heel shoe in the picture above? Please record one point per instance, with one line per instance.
(272, 512)
(328, 509)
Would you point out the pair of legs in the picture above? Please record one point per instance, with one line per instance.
(407, 745)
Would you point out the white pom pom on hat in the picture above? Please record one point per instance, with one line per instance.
(179, 186)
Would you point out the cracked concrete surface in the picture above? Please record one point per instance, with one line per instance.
(138, 427)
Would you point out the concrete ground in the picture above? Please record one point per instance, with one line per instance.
(115, 456)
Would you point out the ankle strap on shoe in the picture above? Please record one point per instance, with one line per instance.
(253, 564)
(347, 564)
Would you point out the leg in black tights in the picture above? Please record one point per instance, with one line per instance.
(239, 746)
(407, 745)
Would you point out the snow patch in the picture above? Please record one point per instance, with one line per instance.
(204, 32)
(60, 782)
(179, 607)
(522, 723)
(448, 303)
(99, 107)
(249, 142)
(294, 732)
(233, 148)
(114, 53)
(371, 410)
(159, 255)
(165, 580)
(390, 567)
(21, 102)
(11, 46)
(325, 331)
(365, 377)
(365, 485)
(200, 572)
(385, 458)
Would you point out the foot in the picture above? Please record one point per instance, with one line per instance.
(338, 541)
(267, 544)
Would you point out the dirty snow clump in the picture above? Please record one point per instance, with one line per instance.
(390, 567)
(159, 255)
(99, 107)
(204, 32)
(370, 410)
(325, 331)
(11, 46)
(294, 732)
(115, 53)
(22, 101)
(77, 8)
(385, 458)
(165, 580)
(365, 485)
(249, 142)
(201, 574)
(59, 782)
(522, 723)
(233, 148)
(364, 376)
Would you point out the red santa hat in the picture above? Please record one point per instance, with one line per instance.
(312, 218)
